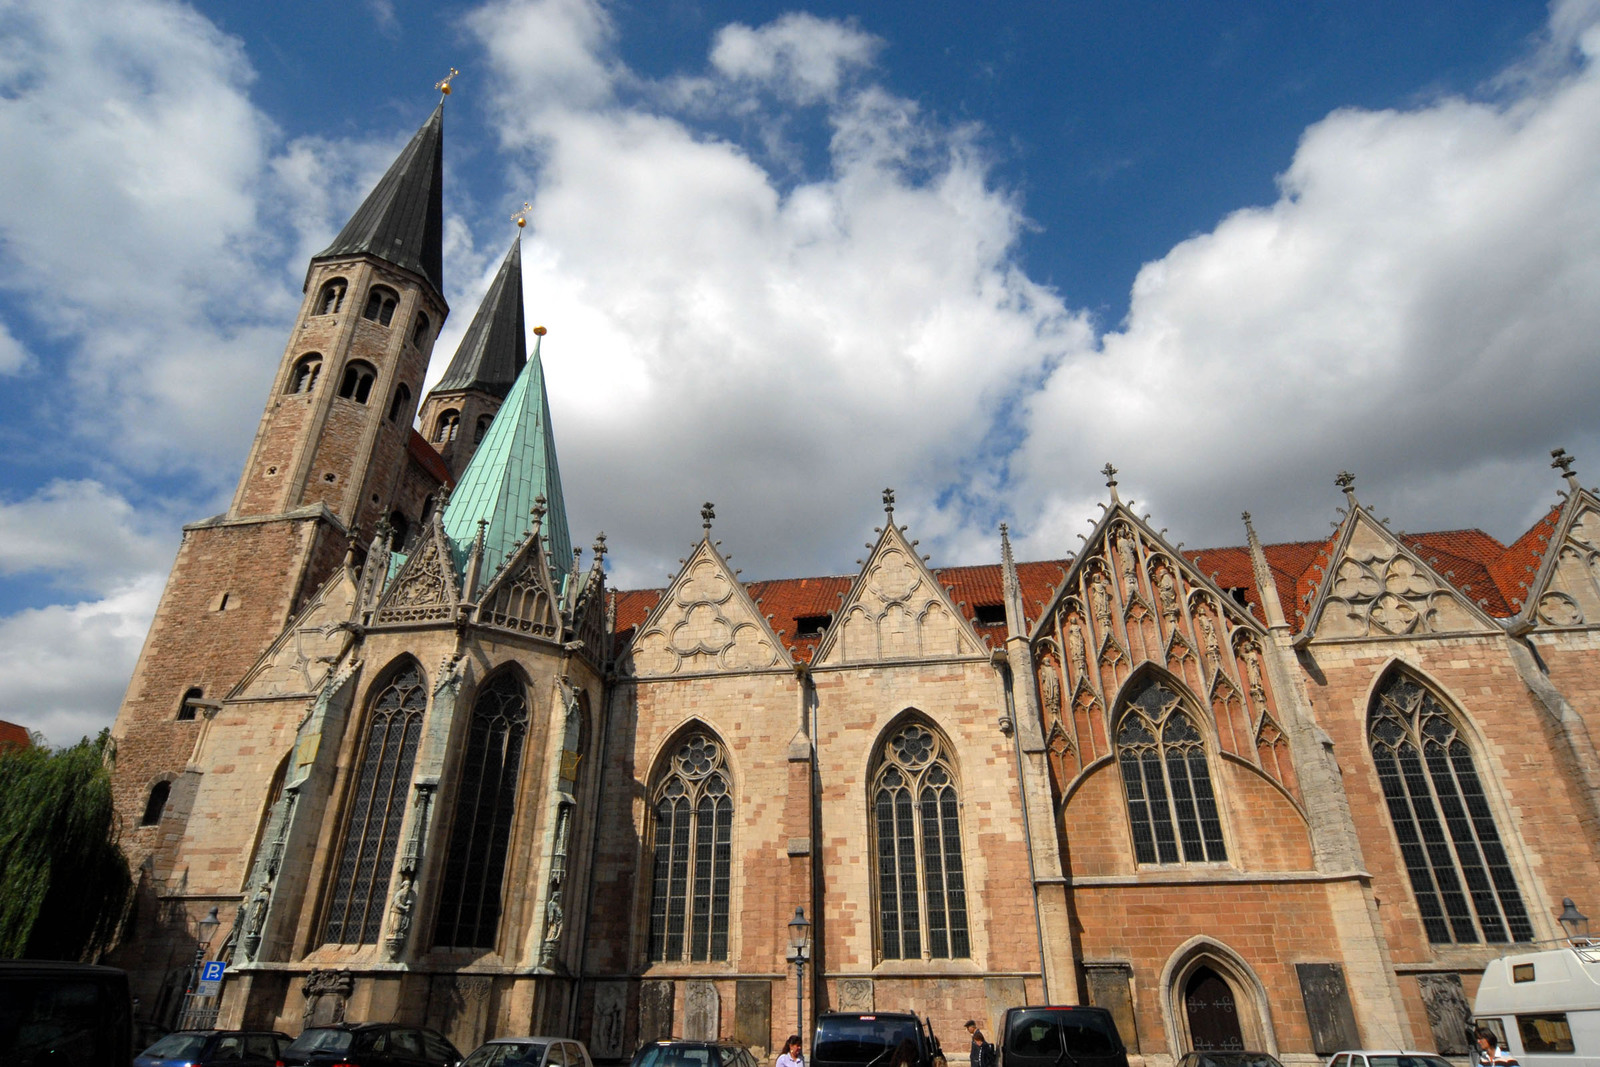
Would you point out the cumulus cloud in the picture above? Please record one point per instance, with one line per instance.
(14, 358)
(799, 56)
(83, 535)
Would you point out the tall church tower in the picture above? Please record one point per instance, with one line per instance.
(329, 459)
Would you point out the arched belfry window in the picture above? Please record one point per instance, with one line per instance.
(381, 303)
(1171, 806)
(331, 298)
(303, 379)
(377, 806)
(444, 430)
(357, 381)
(1442, 819)
(401, 402)
(482, 428)
(470, 901)
(693, 853)
(922, 889)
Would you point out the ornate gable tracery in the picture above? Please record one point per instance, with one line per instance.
(705, 622)
(521, 598)
(298, 662)
(425, 589)
(1566, 591)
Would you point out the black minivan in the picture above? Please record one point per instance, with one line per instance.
(1065, 1036)
(874, 1039)
(66, 1014)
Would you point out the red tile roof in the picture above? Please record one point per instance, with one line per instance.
(14, 736)
(428, 459)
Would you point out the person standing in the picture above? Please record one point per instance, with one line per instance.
(792, 1055)
(982, 1053)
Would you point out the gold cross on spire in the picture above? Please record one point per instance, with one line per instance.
(443, 84)
(521, 217)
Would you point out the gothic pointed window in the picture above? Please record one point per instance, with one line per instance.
(377, 805)
(444, 430)
(156, 804)
(331, 298)
(922, 894)
(470, 902)
(693, 854)
(357, 381)
(401, 404)
(381, 302)
(303, 379)
(1171, 806)
(1458, 867)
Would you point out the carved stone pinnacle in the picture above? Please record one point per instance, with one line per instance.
(888, 501)
(1111, 475)
(708, 511)
(600, 546)
(1562, 462)
(538, 509)
(1345, 480)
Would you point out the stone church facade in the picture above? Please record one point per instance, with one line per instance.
(427, 766)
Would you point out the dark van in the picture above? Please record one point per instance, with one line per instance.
(874, 1039)
(64, 1015)
(1068, 1036)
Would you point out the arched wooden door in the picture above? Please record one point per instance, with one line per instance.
(1213, 1014)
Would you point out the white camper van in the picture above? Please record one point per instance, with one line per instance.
(1544, 1006)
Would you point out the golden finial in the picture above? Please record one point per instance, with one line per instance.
(539, 331)
(521, 217)
(443, 84)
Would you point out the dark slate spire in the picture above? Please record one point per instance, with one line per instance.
(402, 220)
(495, 347)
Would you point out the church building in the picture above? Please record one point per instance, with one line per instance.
(423, 764)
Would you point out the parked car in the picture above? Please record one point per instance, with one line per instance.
(1544, 1007)
(1387, 1057)
(693, 1054)
(370, 1045)
(72, 1014)
(203, 1048)
(1060, 1036)
(874, 1039)
(529, 1052)
(1229, 1059)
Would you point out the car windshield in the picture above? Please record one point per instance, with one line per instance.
(320, 1039)
(674, 1056)
(1406, 1061)
(864, 1039)
(1041, 1033)
(1235, 1059)
(178, 1047)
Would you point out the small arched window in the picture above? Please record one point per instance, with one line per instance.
(448, 425)
(400, 528)
(1442, 819)
(191, 703)
(693, 854)
(419, 332)
(921, 874)
(331, 299)
(482, 428)
(357, 382)
(400, 403)
(157, 803)
(306, 372)
(381, 302)
(1167, 780)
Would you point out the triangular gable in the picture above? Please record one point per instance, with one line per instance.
(522, 598)
(298, 662)
(1376, 587)
(706, 623)
(896, 609)
(1565, 591)
(425, 589)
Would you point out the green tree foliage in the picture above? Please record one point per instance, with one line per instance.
(64, 883)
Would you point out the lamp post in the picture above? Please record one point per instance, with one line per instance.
(1573, 921)
(799, 953)
(204, 930)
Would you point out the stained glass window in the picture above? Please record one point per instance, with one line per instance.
(377, 807)
(922, 895)
(470, 900)
(1458, 868)
(1171, 806)
(693, 854)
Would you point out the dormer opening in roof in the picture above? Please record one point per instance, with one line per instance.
(512, 468)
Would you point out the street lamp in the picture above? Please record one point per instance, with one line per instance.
(204, 930)
(1573, 921)
(799, 953)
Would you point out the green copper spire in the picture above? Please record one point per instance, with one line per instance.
(515, 463)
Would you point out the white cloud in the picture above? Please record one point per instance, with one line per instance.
(14, 358)
(799, 56)
(84, 535)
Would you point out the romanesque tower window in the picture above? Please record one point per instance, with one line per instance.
(481, 429)
(419, 333)
(1171, 806)
(693, 854)
(922, 895)
(377, 807)
(399, 530)
(190, 705)
(381, 303)
(444, 430)
(357, 381)
(1442, 819)
(331, 299)
(156, 804)
(469, 908)
(400, 403)
(306, 371)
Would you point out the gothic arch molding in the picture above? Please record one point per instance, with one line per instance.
(1250, 996)
(902, 719)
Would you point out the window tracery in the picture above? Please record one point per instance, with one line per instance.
(921, 874)
(1441, 816)
(693, 854)
(1171, 807)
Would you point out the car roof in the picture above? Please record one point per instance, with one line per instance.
(867, 1015)
(534, 1037)
(1384, 1052)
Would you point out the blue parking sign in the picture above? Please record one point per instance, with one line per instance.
(210, 983)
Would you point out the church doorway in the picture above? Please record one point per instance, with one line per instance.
(1213, 1012)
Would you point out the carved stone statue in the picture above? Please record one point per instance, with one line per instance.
(1252, 666)
(258, 912)
(404, 899)
(1125, 553)
(1100, 600)
(1208, 635)
(1167, 590)
(1075, 648)
(1050, 688)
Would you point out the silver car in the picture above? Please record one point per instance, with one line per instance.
(529, 1052)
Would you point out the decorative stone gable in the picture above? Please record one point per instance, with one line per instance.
(896, 610)
(1379, 588)
(1566, 592)
(706, 623)
(521, 598)
(299, 660)
(425, 589)
(1130, 599)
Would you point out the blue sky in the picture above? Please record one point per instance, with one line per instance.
(789, 254)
